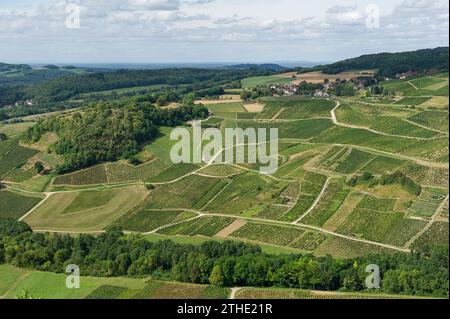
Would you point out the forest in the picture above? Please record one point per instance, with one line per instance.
(109, 131)
(390, 64)
(224, 264)
(65, 87)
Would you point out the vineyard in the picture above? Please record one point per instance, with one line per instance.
(308, 205)
(427, 203)
(12, 155)
(203, 226)
(15, 205)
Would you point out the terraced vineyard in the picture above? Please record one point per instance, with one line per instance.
(307, 205)
(428, 202)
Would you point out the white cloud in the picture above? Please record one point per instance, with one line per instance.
(140, 28)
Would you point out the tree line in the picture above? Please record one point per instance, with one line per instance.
(390, 64)
(109, 131)
(65, 87)
(225, 263)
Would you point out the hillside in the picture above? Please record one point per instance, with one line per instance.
(11, 68)
(266, 66)
(389, 64)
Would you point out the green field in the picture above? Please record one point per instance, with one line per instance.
(332, 199)
(256, 81)
(203, 226)
(261, 294)
(148, 220)
(46, 285)
(380, 120)
(15, 204)
(433, 119)
(412, 100)
(296, 108)
(406, 131)
(12, 155)
(427, 203)
(85, 210)
(231, 107)
(269, 234)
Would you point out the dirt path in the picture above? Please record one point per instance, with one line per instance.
(15, 284)
(325, 186)
(224, 233)
(47, 196)
(318, 229)
(200, 214)
(410, 83)
(425, 127)
(217, 195)
(233, 292)
(278, 113)
(336, 122)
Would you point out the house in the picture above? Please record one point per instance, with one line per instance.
(405, 75)
(284, 88)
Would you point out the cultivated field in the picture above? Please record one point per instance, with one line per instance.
(46, 285)
(308, 205)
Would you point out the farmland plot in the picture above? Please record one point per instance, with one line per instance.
(427, 203)
(412, 100)
(329, 203)
(184, 193)
(168, 290)
(433, 119)
(89, 176)
(202, 226)
(12, 155)
(302, 129)
(85, 210)
(269, 234)
(147, 220)
(380, 226)
(309, 241)
(394, 125)
(232, 107)
(311, 186)
(15, 205)
(436, 235)
(247, 195)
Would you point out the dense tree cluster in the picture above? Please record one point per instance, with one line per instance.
(64, 87)
(344, 88)
(228, 263)
(109, 131)
(307, 88)
(390, 64)
(397, 177)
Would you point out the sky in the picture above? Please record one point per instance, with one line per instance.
(201, 31)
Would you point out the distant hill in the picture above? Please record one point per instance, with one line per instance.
(390, 64)
(11, 68)
(267, 66)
